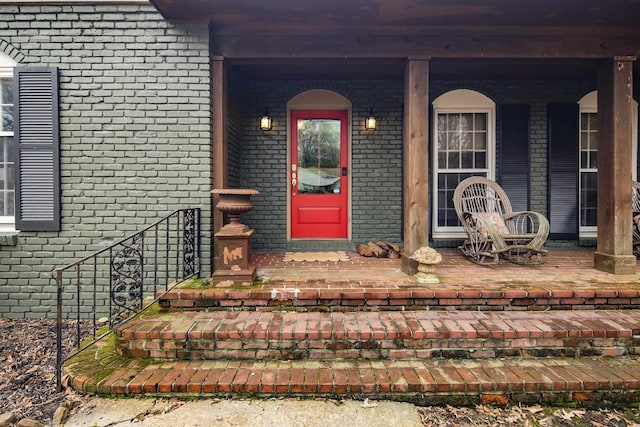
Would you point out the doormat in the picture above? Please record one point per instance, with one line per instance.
(316, 256)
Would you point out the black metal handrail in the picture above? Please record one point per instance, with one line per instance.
(123, 279)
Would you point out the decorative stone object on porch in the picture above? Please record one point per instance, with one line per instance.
(427, 259)
(234, 238)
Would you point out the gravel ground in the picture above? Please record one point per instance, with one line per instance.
(27, 388)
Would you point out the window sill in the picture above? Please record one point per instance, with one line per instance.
(9, 238)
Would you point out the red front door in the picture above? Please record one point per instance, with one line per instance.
(319, 174)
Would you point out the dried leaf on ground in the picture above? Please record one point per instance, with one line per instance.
(28, 355)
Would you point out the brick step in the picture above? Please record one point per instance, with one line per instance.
(584, 381)
(352, 296)
(253, 335)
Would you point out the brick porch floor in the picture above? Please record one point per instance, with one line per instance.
(560, 332)
(561, 269)
(565, 281)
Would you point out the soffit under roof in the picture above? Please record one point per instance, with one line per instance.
(393, 69)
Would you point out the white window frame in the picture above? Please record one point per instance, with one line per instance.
(7, 64)
(589, 104)
(456, 102)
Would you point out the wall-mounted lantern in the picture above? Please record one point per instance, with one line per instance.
(370, 122)
(265, 121)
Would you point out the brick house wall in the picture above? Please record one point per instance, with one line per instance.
(377, 158)
(135, 132)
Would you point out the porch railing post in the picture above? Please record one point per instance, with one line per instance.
(59, 332)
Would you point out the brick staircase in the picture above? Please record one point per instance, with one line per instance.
(379, 342)
(245, 335)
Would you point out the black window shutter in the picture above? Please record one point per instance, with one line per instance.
(563, 170)
(514, 154)
(37, 140)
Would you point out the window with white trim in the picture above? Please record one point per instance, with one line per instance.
(7, 166)
(464, 135)
(588, 161)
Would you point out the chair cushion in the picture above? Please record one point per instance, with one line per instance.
(493, 218)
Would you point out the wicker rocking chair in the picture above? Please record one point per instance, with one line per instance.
(635, 206)
(493, 230)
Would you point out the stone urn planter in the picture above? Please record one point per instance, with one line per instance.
(234, 201)
(234, 239)
(427, 259)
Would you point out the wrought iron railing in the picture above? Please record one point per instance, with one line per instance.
(116, 283)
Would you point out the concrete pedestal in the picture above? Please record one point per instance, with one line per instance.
(235, 257)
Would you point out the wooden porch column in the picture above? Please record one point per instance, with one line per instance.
(416, 159)
(219, 148)
(615, 96)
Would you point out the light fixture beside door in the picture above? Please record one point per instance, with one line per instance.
(266, 123)
(370, 122)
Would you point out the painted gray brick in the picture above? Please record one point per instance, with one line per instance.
(114, 76)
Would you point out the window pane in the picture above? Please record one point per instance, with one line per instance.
(452, 180)
(6, 101)
(593, 140)
(481, 160)
(6, 87)
(10, 177)
(467, 141)
(584, 121)
(588, 199)
(442, 140)
(584, 140)
(7, 185)
(453, 122)
(466, 122)
(446, 186)
(593, 163)
(593, 121)
(467, 160)
(480, 141)
(584, 159)
(319, 156)
(442, 199)
(447, 183)
(454, 160)
(453, 141)
(481, 121)
(7, 118)
(11, 205)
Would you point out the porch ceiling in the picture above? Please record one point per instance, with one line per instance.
(375, 14)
